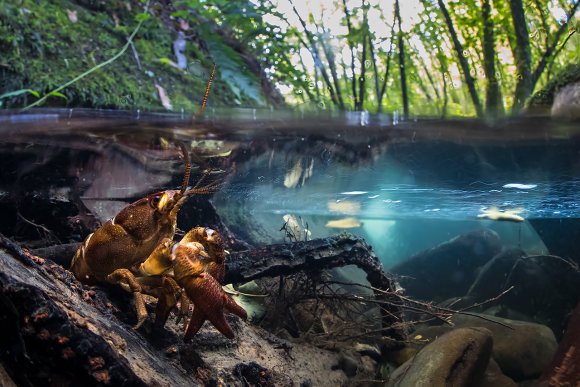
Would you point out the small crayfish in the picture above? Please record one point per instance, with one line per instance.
(136, 249)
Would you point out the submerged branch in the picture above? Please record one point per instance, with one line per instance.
(314, 256)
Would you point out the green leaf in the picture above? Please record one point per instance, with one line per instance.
(180, 13)
(166, 61)
(16, 93)
(57, 94)
(233, 71)
(141, 17)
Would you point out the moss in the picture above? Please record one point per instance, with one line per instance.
(545, 97)
(43, 49)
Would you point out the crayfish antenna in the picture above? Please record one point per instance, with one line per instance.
(206, 189)
(185, 181)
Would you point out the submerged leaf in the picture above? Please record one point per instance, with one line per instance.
(344, 223)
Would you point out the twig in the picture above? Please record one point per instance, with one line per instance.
(48, 234)
(488, 300)
(571, 263)
(136, 55)
(442, 309)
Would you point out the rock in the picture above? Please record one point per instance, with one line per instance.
(449, 269)
(493, 377)
(543, 101)
(400, 356)
(545, 288)
(559, 235)
(509, 313)
(565, 367)
(522, 352)
(458, 358)
(425, 334)
(567, 102)
(491, 279)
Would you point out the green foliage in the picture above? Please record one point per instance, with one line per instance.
(42, 50)
(233, 71)
(17, 93)
(569, 75)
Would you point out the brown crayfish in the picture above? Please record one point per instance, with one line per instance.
(136, 249)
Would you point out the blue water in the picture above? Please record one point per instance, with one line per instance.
(404, 201)
(403, 187)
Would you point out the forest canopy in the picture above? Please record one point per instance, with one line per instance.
(408, 58)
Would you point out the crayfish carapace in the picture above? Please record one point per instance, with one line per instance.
(136, 249)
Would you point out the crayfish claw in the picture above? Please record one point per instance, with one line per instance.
(210, 303)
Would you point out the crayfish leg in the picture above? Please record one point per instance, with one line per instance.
(120, 276)
(163, 288)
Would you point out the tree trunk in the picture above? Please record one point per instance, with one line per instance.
(361, 79)
(469, 80)
(553, 50)
(493, 102)
(523, 56)
(312, 47)
(375, 71)
(330, 58)
(402, 63)
(387, 67)
(352, 58)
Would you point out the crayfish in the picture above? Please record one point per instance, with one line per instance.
(136, 249)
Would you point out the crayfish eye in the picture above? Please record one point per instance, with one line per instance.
(155, 201)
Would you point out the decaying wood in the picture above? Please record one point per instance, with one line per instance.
(54, 329)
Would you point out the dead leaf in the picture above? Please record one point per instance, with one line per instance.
(165, 101)
(292, 177)
(183, 25)
(346, 207)
(344, 223)
(72, 16)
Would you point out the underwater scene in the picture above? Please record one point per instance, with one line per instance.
(280, 248)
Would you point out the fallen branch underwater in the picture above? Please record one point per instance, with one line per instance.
(320, 254)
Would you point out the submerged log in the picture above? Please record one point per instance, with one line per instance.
(53, 330)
